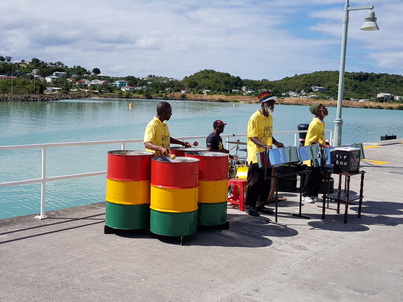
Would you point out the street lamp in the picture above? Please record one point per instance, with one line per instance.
(369, 24)
(12, 79)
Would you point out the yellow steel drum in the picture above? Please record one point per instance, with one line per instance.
(213, 191)
(128, 192)
(173, 200)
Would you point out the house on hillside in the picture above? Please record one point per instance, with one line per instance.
(291, 94)
(60, 74)
(127, 88)
(83, 82)
(120, 83)
(53, 89)
(385, 96)
(98, 82)
(50, 79)
(318, 88)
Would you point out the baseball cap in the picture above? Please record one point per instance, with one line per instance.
(218, 123)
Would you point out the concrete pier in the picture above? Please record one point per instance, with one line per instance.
(67, 257)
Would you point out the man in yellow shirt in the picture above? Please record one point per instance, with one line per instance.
(260, 138)
(157, 138)
(315, 135)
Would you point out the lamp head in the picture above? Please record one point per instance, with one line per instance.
(370, 22)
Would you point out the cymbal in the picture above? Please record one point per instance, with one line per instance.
(238, 143)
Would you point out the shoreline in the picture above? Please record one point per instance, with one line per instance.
(285, 101)
(203, 98)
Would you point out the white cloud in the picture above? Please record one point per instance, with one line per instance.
(251, 39)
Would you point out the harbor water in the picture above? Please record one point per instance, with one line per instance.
(113, 119)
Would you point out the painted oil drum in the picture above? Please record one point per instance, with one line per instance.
(212, 165)
(173, 196)
(129, 165)
(128, 190)
(181, 151)
(213, 187)
(181, 172)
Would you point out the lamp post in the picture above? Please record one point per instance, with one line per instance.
(12, 79)
(369, 24)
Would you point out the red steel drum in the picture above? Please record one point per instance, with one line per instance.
(181, 151)
(212, 165)
(129, 165)
(182, 172)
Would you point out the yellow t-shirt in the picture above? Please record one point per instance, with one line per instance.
(157, 133)
(315, 134)
(260, 127)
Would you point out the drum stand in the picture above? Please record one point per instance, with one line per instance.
(277, 177)
(302, 175)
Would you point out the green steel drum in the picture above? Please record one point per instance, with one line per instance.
(128, 190)
(213, 187)
(173, 196)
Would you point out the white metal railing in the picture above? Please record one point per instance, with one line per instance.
(44, 147)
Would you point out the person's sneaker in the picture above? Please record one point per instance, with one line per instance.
(252, 212)
(317, 199)
(266, 211)
(307, 199)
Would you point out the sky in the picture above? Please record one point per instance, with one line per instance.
(252, 39)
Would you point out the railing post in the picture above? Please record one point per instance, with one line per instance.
(42, 214)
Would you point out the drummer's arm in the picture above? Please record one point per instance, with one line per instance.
(151, 146)
(277, 144)
(256, 141)
(178, 142)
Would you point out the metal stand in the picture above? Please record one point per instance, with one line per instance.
(344, 195)
(277, 177)
(302, 180)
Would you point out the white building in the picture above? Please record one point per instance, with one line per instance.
(127, 88)
(59, 74)
(50, 79)
(53, 89)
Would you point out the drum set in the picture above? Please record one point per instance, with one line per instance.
(238, 167)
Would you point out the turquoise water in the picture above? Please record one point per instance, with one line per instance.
(94, 120)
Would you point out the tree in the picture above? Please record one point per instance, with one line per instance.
(132, 81)
(96, 71)
(217, 82)
(35, 62)
(78, 70)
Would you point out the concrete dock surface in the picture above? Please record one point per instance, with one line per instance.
(67, 257)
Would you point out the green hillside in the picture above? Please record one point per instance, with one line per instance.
(356, 84)
(28, 77)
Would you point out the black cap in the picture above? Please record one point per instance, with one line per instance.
(218, 123)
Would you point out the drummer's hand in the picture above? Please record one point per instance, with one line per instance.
(267, 147)
(186, 144)
(279, 145)
(164, 151)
